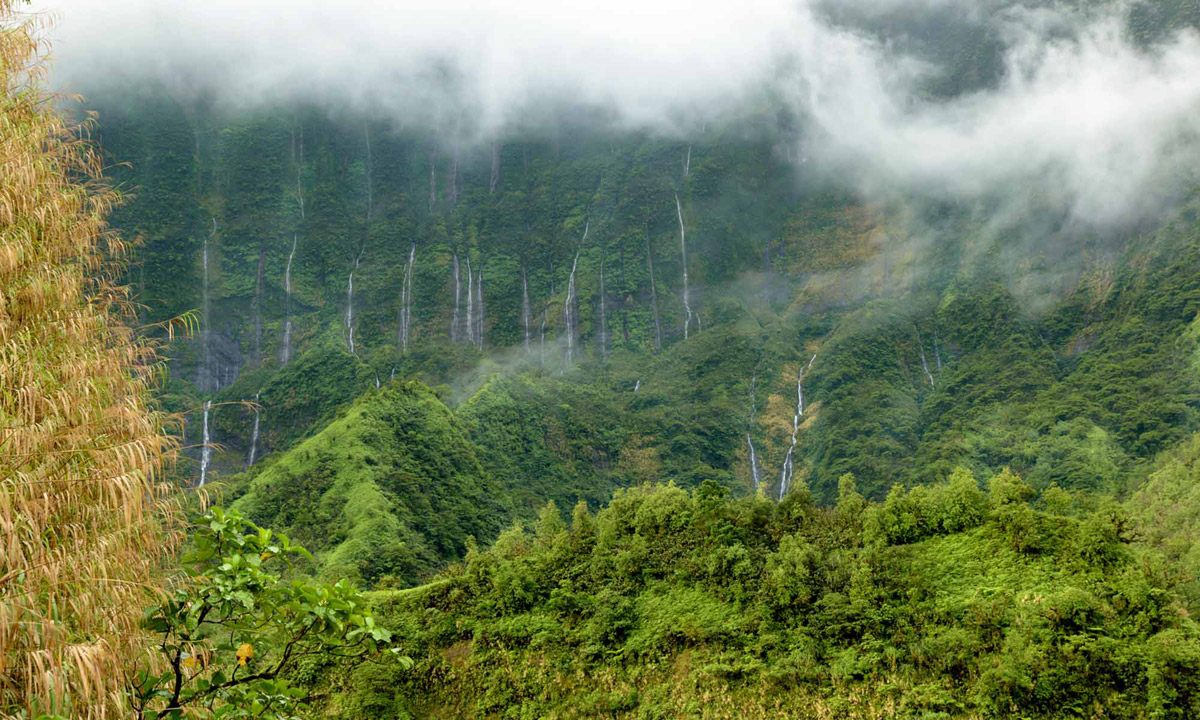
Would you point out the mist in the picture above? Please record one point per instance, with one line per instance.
(1082, 120)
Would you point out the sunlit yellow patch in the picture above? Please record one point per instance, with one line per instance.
(244, 652)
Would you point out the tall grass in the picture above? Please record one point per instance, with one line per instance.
(85, 515)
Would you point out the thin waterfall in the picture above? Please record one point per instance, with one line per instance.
(479, 307)
(210, 381)
(258, 293)
(350, 303)
(432, 183)
(525, 306)
(687, 161)
(925, 363)
(687, 307)
(755, 472)
(254, 434)
(495, 179)
(299, 173)
(286, 353)
(789, 461)
(370, 203)
(570, 313)
(206, 446)
(653, 295)
(603, 320)
(406, 299)
(937, 354)
(453, 189)
(454, 319)
(545, 318)
(637, 385)
(470, 304)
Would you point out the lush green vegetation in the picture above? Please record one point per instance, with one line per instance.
(945, 601)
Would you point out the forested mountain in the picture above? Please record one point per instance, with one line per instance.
(872, 392)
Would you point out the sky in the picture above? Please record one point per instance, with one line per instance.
(1082, 121)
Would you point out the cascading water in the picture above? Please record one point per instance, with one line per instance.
(789, 461)
(206, 446)
(924, 363)
(570, 313)
(637, 386)
(545, 319)
(470, 304)
(285, 354)
(370, 203)
(653, 296)
(687, 161)
(432, 183)
(454, 319)
(937, 354)
(755, 472)
(254, 434)
(687, 306)
(495, 178)
(603, 319)
(210, 380)
(299, 173)
(406, 299)
(479, 307)
(525, 307)
(350, 303)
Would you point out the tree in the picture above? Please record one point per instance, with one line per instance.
(232, 633)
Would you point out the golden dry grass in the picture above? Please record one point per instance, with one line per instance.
(85, 516)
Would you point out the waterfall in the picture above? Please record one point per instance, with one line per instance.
(350, 303)
(755, 472)
(299, 172)
(687, 307)
(479, 307)
(570, 314)
(495, 179)
(210, 381)
(406, 299)
(367, 133)
(453, 190)
(753, 464)
(432, 183)
(924, 363)
(637, 385)
(603, 319)
(206, 446)
(258, 292)
(687, 161)
(789, 461)
(470, 304)
(254, 434)
(286, 352)
(525, 306)
(454, 320)
(545, 318)
(653, 295)
(937, 355)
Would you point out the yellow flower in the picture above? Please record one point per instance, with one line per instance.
(244, 652)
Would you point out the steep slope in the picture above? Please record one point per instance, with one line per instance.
(386, 492)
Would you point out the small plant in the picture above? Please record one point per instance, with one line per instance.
(233, 632)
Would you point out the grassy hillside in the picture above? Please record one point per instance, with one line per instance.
(387, 492)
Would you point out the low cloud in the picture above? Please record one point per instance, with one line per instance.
(1082, 120)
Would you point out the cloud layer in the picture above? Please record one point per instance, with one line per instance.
(1082, 119)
